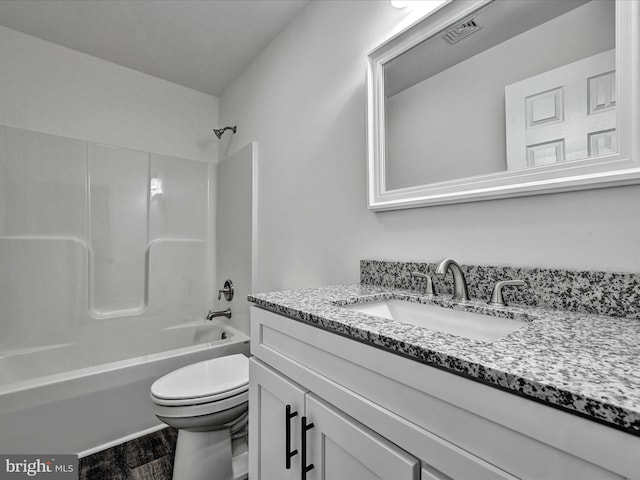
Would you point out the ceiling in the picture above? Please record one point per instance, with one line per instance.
(200, 44)
(499, 21)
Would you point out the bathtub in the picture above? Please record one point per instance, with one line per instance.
(86, 410)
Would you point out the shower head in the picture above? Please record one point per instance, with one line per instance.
(220, 131)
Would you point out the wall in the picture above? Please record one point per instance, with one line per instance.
(234, 238)
(52, 89)
(105, 202)
(303, 101)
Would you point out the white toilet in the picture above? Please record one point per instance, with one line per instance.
(208, 402)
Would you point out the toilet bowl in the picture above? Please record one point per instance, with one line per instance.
(208, 403)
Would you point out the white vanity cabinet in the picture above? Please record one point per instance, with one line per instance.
(375, 412)
(293, 428)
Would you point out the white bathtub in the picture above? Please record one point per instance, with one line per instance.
(86, 410)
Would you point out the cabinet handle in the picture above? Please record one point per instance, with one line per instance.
(305, 467)
(287, 448)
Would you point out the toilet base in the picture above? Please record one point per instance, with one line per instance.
(203, 456)
(241, 466)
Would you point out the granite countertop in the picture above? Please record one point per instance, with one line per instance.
(584, 364)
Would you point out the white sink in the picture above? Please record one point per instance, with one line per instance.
(456, 322)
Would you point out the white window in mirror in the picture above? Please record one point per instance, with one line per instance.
(561, 110)
(542, 98)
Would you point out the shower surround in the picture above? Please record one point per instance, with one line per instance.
(99, 246)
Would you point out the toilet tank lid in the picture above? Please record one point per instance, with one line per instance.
(203, 379)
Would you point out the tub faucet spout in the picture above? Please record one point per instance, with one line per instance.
(460, 291)
(222, 313)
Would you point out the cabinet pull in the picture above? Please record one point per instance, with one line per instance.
(287, 447)
(305, 467)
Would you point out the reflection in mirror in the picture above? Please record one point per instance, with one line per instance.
(486, 99)
(516, 84)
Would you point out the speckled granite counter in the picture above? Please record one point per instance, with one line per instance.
(585, 364)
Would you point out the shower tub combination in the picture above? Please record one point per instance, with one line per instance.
(106, 257)
(87, 410)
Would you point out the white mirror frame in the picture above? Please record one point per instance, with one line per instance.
(618, 169)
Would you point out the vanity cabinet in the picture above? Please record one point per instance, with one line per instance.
(298, 430)
(370, 407)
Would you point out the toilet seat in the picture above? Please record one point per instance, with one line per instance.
(208, 381)
(203, 388)
(216, 397)
(240, 401)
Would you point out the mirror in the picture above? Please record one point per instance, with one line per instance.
(488, 99)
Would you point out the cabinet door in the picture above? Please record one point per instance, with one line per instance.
(341, 448)
(269, 395)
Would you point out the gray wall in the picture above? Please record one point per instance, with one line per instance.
(234, 239)
(303, 101)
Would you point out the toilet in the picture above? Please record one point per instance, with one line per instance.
(208, 403)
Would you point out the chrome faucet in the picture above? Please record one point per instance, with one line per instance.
(222, 313)
(460, 291)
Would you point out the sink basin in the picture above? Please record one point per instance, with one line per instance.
(456, 322)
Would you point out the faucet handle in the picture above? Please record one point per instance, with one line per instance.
(227, 291)
(429, 288)
(497, 300)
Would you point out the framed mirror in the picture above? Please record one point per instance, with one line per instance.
(488, 99)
